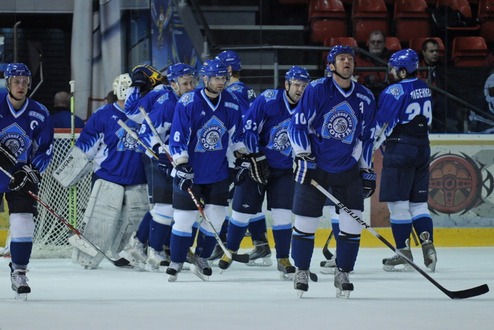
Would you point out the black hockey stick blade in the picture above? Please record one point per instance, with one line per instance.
(325, 251)
(462, 294)
(243, 258)
(122, 262)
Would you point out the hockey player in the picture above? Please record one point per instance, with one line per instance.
(26, 145)
(147, 86)
(331, 138)
(182, 78)
(257, 224)
(118, 197)
(407, 108)
(265, 125)
(206, 122)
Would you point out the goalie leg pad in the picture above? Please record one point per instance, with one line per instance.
(136, 204)
(101, 219)
(75, 166)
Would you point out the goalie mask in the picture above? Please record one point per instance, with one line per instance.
(120, 86)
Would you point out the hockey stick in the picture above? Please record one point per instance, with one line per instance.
(243, 258)
(325, 251)
(72, 189)
(119, 263)
(462, 294)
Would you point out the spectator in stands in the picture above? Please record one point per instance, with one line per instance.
(374, 55)
(430, 61)
(61, 115)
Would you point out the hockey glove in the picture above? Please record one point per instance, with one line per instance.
(369, 181)
(184, 176)
(27, 177)
(242, 168)
(7, 160)
(259, 170)
(305, 169)
(164, 164)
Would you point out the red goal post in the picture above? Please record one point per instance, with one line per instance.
(50, 237)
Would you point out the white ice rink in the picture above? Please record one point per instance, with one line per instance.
(65, 296)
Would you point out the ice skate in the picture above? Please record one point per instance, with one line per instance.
(261, 255)
(156, 259)
(173, 270)
(397, 263)
(342, 284)
(301, 281)
(430, 256)
(285, 268)
(134, 252)
(19, 280)
(201, 268)
(224, 262)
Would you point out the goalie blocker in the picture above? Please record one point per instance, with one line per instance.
(113, 213)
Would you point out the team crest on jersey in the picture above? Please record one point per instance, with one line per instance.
(235, 88)
(396, 91)
(163, 98)
(340, 123)
(14, 138)
(278, 140)
(127, 142)
(270, 94)
(209, 136)
(187, 98)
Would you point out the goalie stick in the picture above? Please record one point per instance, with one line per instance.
(462, 294)
(243, 258)
(119, 262)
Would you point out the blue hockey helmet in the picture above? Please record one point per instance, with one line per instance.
(337, 50)
(16, 69)
(297, 73)
(178, 70)
(214, 68)
(230, 58)
(404, 59)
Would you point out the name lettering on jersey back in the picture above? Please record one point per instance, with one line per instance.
(420, 93)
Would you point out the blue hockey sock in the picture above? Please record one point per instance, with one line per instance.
(423, 224)
(179, 246)
(347, 247)
(235, 235)
(205, 244)
(143, 230)
(257, 228)
(282, 238)
(302, 249)
(224, 229)
(157, 235)
(20, 252)
(335, 225)
(401, 232)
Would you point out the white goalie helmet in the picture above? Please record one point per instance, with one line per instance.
(120, 86)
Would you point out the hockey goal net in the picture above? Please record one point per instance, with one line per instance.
(50, 237)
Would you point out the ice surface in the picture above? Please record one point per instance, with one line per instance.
(65, 296)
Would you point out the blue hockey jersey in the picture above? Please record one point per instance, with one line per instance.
(28, 133)
(334, 125)
(401, 103)
(202, 132)
(161, 115)
(245, 94)
(266, 128)
(115, 154)
(134, 101)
